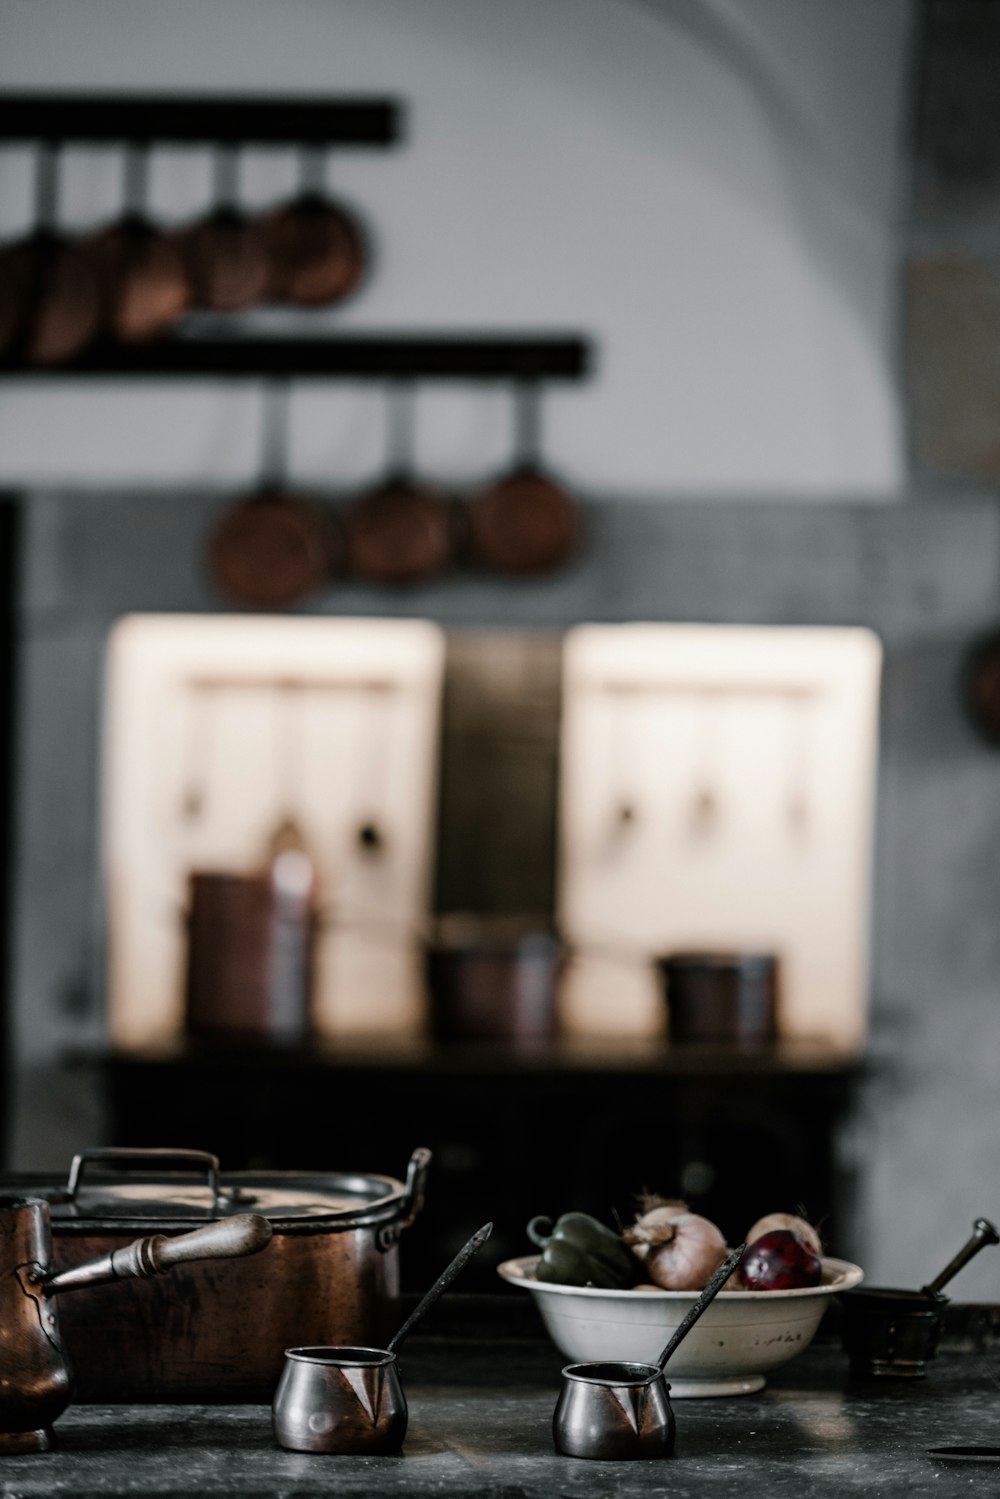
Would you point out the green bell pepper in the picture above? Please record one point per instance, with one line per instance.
(580, 1251)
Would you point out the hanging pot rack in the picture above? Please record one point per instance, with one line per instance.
(60, 119)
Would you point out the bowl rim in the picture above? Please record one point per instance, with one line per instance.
(519, 1272)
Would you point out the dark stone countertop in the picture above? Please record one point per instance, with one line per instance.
(480, 1414)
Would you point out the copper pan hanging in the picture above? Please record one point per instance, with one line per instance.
(49, 294)
(317, 250)
(401, 531)
(144, 284)
(274, 548)
(226, 252)
(525, 523)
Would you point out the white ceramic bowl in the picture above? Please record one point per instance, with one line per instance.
(741, 1336)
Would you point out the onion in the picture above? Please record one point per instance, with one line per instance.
(686, 1260)
(654, 1225)
(787, 1221)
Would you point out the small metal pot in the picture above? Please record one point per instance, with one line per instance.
(721, 997)
(250, 958)
(890, 1333)
(493, 979)
(613, 1412)
(340, 1400)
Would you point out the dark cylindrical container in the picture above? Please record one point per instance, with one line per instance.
(249, 958)
(891, 1333)
(492, 981)
(730, 997)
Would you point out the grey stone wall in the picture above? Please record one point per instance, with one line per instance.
(924, 574)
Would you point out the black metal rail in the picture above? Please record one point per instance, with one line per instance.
(195, 119)
(176, 119)
(372, 356)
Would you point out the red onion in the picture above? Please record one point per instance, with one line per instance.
(788, 1221)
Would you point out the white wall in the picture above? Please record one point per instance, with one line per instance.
(708, 188)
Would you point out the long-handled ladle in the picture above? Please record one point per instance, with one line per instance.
(441, 1285)
(708, 1295)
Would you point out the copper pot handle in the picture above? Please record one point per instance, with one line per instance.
(416, 1182)
(228, 1239)
(131, 1158)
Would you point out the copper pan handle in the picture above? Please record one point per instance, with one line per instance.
(230, 1238)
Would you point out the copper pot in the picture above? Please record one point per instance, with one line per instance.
(250, 958)
(50, 298)
(331, 1271)
(721, 997)
(525, 523)
(274, 548)
(226, 252)
(316, 247)
(400, 532)
(493, 979)
(144, 284)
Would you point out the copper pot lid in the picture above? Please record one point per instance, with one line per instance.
(155, 1196)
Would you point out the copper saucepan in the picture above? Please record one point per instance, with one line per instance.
(50, 306)
(274, 548)
(400, 532)
(144, 283)
(316, 247)
(525, 523)
(226, 252)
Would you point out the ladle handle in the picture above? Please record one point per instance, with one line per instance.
(710, 1292)
(983, 1233)
(442, 1283)
(229, 1238)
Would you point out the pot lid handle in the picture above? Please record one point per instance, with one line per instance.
(128, 1158)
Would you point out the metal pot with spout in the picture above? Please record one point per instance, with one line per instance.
(617, 1411)
(36, 1380)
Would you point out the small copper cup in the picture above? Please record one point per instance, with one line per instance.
(340, 1400)
(613, 1412)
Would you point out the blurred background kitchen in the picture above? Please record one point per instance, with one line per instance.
(495, 599)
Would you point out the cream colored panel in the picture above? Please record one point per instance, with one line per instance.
(717, 793)
(216, 730)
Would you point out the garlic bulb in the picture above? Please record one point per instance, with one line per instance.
(797, 1226)
(687, 1259)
